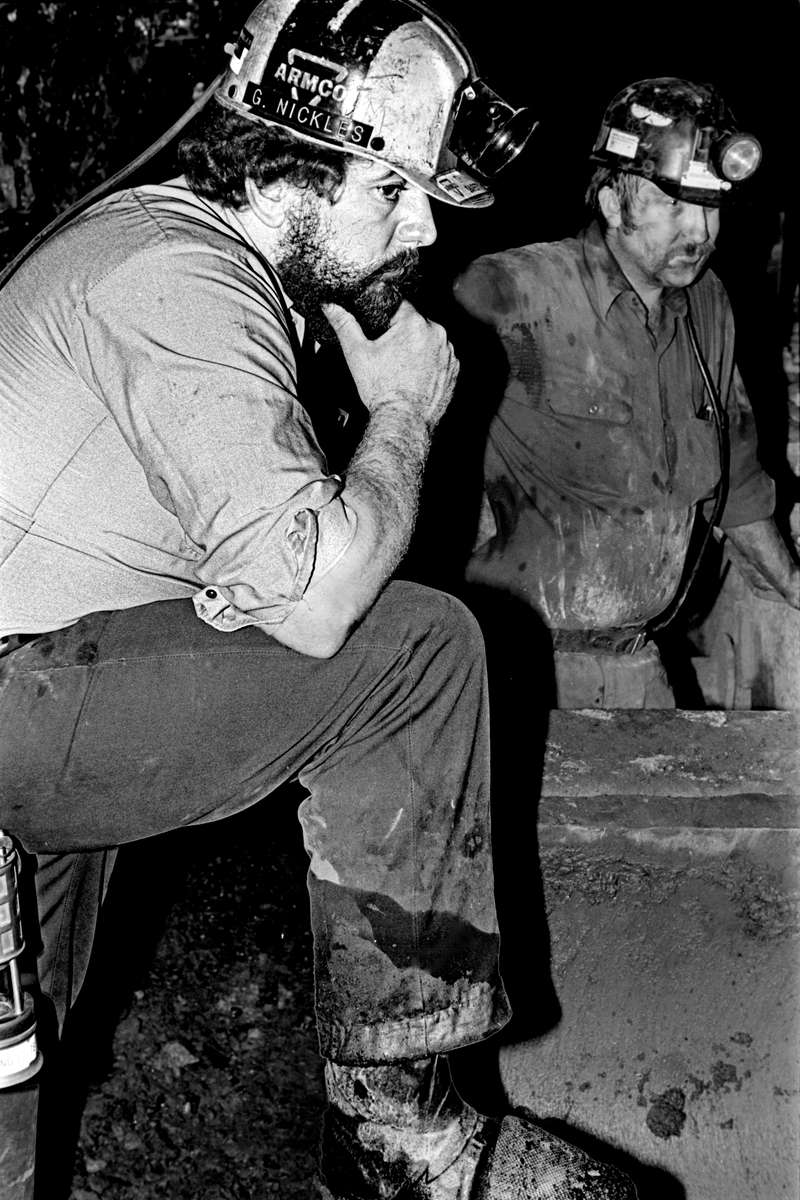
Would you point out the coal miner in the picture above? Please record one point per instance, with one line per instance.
(196, 609)
(624, 435)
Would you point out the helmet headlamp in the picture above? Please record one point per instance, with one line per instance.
(384, 79)
(680, 135)
(737, 156)
(487, 133)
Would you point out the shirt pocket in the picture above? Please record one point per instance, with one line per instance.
(697, 456)
(578, 399)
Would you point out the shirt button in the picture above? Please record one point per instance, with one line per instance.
(212, 595)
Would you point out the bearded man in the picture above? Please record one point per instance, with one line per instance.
(624, 433)
(197, 610)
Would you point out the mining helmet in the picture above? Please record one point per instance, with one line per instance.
(383, 79)
(681, 135)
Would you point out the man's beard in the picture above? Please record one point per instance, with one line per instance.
(313, 277)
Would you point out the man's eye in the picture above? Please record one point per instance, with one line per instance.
(392, 191)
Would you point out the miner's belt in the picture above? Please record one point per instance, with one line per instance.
(610, 641)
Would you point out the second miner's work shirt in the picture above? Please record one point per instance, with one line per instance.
(602, 448)
(154, 445)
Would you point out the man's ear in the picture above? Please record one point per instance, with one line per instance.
(609, 205)
(268, 204)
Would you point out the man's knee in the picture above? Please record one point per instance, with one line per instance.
(428, 613)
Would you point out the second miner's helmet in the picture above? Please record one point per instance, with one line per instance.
(382, 79)
(681, 135)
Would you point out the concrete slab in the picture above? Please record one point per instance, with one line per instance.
(669, 850)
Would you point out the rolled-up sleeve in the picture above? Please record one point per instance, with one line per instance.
(190, 348)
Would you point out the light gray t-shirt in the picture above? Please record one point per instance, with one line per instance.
(153, 443)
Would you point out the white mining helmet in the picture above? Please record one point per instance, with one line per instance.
(382, 79)
(679, 134)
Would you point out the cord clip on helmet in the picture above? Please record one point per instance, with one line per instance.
(681, 135)
(383, 79)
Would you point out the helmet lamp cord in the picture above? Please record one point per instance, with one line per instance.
(109, 184)
(720, 419)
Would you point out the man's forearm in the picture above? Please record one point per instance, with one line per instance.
(382, 491)
(765, 560)
(405, 379)
(385, 474)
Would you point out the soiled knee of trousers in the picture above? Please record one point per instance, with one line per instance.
(429, 611)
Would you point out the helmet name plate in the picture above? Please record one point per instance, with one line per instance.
(306, 116)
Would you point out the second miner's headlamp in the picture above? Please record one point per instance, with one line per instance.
(681, 135)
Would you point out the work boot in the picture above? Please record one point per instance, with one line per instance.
(384, 1139)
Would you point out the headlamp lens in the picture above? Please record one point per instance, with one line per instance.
(506, 141)
(738, 157)
(488, 133)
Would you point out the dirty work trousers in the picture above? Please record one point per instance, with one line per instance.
(135, 722)
(598, 679)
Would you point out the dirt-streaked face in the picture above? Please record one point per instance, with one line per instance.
(666, 243)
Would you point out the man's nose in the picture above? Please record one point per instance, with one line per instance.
(699, 223)
(416, 227)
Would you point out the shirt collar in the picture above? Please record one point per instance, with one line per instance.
(229, 218)
(608, 278)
